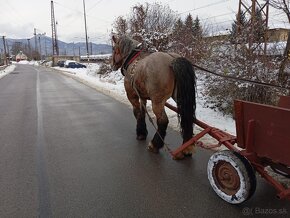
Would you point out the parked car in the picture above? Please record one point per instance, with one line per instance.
(67, 62)
(60, 63)
(76, 65)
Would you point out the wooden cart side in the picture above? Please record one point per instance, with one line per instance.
(284, 101)
(264, 130)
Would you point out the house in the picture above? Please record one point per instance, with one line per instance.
(277, 35)
(20, 56)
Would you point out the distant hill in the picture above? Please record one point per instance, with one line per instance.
(64, 48)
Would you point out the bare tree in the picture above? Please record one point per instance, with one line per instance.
(160, 18)
(121, 25)
(150, 24)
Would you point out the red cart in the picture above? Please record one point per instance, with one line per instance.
(263, 140)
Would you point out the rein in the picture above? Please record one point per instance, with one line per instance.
(166, 146)
(241, 79)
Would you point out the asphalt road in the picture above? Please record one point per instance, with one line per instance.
(68, 151)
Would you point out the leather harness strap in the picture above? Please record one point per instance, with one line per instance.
(132, 56)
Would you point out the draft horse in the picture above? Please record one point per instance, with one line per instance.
(157, 77)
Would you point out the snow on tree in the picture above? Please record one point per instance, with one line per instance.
(121, 25)
(150, 24)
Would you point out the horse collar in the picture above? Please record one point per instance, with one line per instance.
(131, 57)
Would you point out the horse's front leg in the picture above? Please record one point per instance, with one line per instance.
(162, 122)
(139, 112)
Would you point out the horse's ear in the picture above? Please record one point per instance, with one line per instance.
(114, 38)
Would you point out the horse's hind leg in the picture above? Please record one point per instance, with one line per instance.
(139, 113)
(162, 122)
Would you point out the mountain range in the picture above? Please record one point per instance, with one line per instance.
(78, 48)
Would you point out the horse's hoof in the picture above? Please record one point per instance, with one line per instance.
(179, 156)
(189, 151)
(188, 155)
(141, 137)
(152, 148)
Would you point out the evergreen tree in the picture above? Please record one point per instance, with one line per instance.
(178, 30)
(259, 27)
(240, 21)
(197, 30)
(188, 30)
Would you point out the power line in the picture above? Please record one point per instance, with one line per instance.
(17, 14)
(80, 12)
(95, 5)
(221, 15)
(205, 6)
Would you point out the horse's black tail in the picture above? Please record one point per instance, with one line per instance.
(186, 85)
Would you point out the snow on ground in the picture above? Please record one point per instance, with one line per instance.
(28, 62)
(6, 70)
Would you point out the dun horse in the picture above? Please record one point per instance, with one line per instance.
(156, 77)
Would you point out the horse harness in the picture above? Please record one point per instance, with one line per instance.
(132, 56)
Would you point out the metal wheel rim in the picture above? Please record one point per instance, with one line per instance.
(226, 178)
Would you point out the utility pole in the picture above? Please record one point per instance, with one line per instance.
(35, 42)
(1, 55)
(85, 17)
(39, 40)
(7, 48)
(29, 49)
(250, 8)
(91, 48)
(45, 47)
(5, 52)
(55, 50)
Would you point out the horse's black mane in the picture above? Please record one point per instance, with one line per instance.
(127, 44)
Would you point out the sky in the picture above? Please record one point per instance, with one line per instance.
(19, 18)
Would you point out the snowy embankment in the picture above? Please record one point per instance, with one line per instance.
(6, 70)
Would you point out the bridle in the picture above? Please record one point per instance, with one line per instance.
(126, 61)
(121, 58)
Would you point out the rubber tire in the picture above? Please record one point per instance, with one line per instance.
(245, 172)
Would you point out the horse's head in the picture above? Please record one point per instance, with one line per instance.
(122, 47)
(117, 55)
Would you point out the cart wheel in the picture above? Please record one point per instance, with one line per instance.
(231, 176)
